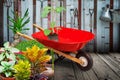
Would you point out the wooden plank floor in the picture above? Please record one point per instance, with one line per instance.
(105, 67)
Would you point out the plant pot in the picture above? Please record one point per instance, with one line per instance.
(39, 77)
(6, 78)
(16, 40)
(53, 36)
(49, 72)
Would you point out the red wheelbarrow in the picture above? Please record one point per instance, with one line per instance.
(69, 40)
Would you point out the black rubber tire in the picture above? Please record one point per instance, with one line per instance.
(87, 57)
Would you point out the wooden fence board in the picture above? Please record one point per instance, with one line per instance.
(11, 34)
(1, 23)
(38, 13)
(116, 27)
(101, 35)
(5, 24)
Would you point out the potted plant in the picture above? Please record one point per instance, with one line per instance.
(7, 61)
(52, 31)
(38, 58)
(18, 25)
(22, 70)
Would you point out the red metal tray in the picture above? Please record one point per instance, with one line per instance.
(69, 39)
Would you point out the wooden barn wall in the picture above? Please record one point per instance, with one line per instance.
(116, 29)
(103, 36)
(70, 20)
(1, 23)
(8, 35)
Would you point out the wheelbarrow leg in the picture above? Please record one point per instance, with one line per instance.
(86, 58)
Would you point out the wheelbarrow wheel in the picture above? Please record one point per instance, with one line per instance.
(86, 58)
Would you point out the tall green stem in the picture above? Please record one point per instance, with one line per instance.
(53, 58)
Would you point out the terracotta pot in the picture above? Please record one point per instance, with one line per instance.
(6, 78)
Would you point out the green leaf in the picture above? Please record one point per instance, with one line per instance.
(52, 24)
(45, 11)
(12, 63)
(24, 23)
(47, 32)
(59, 9)
(11, 56)
(13, 50)
(2, 56)
(1, 69)
(21, 57)
(6, 54)
(18, 21)
(26, 13)
(8, 74)
(6, 45)
(26, 28)
(4, 63)
(7, 64)
(11, 19)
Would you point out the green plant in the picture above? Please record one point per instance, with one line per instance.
(45, 12)
(22, 70)
(19, 22)
(7, 60)
(28, 43)
(37, 56)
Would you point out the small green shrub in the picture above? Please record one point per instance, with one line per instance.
(24, 44)
(22, 70)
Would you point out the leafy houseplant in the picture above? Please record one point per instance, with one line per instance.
(22, 70)
(51, 33)
(45, 12)
(22, 46)
(18, 25)
(37, 58)
(7, 60)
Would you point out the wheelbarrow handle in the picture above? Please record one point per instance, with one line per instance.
(38, 27)
(25, 36)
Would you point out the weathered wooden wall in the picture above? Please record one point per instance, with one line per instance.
(102, 27)
(101, 30)
(1, 23)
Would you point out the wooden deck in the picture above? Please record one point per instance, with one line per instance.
(105, 67)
